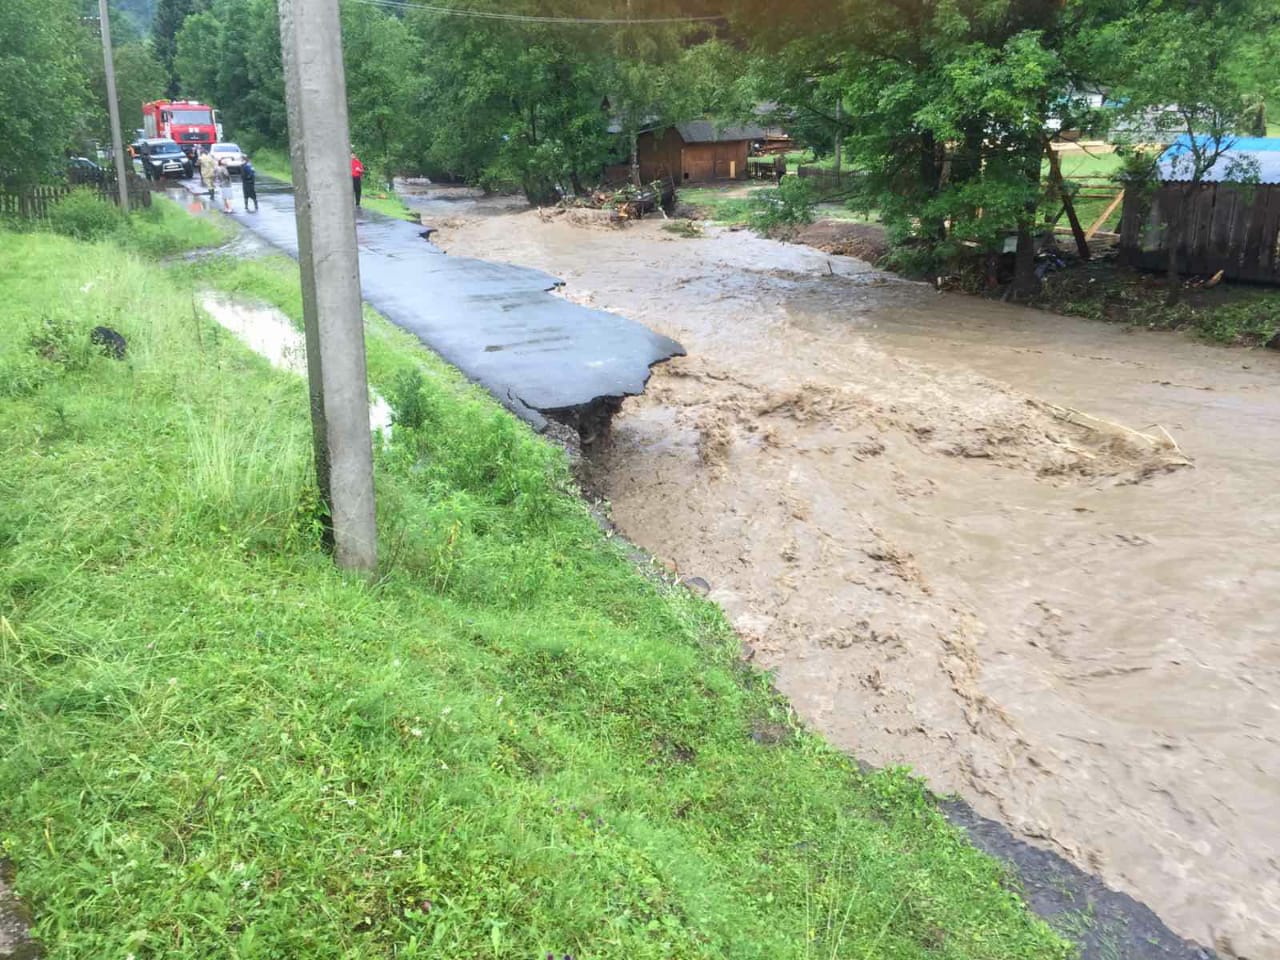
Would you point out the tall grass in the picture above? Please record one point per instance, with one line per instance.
(213, 744)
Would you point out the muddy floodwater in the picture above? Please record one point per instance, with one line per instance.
(928, 515)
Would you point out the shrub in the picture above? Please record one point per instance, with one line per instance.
(61, 342)
(409, 407)
(791, 205)
(85, 215)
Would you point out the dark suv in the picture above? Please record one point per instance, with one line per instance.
(163, 158)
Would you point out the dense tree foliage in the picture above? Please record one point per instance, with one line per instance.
(485, 100)
(43, 93)
(228, 55)
(1191, 79)
(945, 108)
(948, 106)
(170, 15)
(139, 76)
(138, 13)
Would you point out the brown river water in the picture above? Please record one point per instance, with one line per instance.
(1069, 625)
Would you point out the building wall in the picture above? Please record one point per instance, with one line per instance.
(660, 156)
(668, 156)
(715, 161)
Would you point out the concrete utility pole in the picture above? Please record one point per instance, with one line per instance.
(113, 107)
(315, 89)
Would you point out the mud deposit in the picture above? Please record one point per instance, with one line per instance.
(1072, 628)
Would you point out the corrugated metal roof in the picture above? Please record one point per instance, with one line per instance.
(1263, 151)
(704, 131)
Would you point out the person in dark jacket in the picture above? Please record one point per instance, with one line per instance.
(249, 185)
(357, 175)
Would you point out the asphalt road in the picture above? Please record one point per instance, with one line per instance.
(538, 354)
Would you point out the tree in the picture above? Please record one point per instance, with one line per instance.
(229, 55)
(381, 61)
(1185, 84)
(170, 15)
(946, 107)
(199, 48)
(42, 88)
(139, 78)
(511, 102)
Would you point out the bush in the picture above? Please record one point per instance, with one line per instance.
(164, 229)
(85, 215)
(55, 344)
(62, 342)
(409, 406)
(791, 205)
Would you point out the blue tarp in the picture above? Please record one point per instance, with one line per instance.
(1263, 151)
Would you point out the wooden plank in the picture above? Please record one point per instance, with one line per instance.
(1252, 255)
(1268, 262)
(1194, 252)
(1218, 245)
(1238, 229)
(1106, 215)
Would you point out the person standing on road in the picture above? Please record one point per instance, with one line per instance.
(357, 175)
(207, 167)
(249, 185)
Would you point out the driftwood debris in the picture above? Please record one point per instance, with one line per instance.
(1159, 441)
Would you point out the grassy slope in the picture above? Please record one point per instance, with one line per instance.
(212, 744)
(275, 163)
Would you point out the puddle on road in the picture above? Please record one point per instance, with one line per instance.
(1070, 627)
(270, 334)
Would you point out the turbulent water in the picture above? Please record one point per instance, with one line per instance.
(1032, 557)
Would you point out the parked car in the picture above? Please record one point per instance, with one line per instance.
(162, 158)
(84, 170)
(229, 156)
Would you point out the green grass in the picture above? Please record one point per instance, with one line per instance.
(1081, 164)
(714, 205)
(213, 744)
(165, 229)
(1097, 169)
(1230, 313)
(275, 163)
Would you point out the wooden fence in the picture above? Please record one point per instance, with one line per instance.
(1235, 229)
(35, 203)
(826, 179)
(766, 168)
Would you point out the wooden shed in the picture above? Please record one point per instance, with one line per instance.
(1226, 226)
(697, 151)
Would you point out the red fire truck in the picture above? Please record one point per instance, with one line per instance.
(191, 125)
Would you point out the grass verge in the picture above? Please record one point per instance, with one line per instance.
(161, 230)
(165, 230)
(214, 744)
(1231, 313)
(275, 163)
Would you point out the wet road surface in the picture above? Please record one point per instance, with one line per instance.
(540, 355)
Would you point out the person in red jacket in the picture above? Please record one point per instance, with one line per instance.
(357, 175)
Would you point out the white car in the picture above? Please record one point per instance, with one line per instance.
(229, 156)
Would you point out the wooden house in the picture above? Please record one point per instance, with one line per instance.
(696, 152)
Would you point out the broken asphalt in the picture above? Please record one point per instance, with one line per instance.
(541, 356)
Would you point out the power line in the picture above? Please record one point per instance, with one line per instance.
(529, 18)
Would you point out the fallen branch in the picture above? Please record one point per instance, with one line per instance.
(1162, 441)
